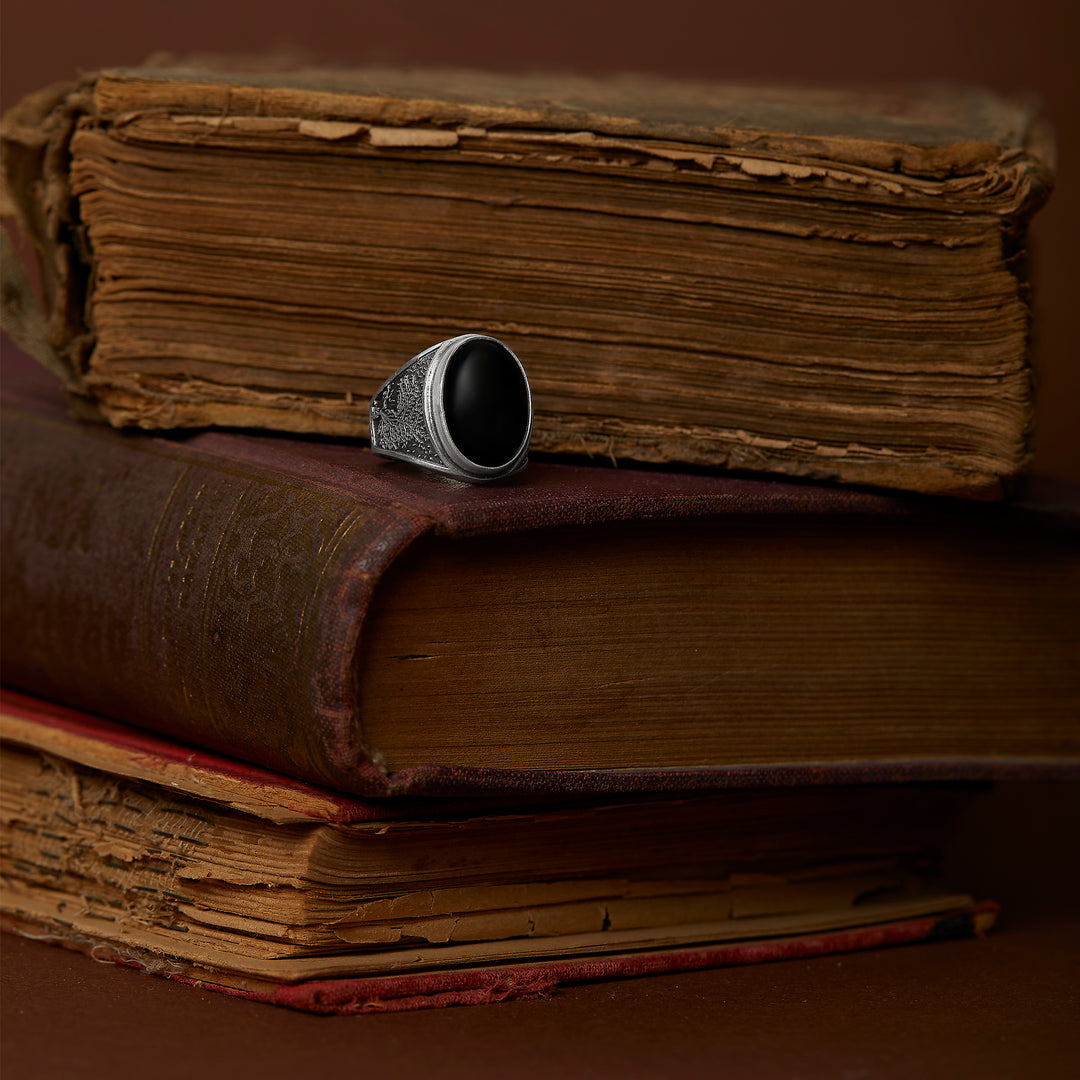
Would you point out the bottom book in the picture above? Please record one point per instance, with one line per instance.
(148, 853)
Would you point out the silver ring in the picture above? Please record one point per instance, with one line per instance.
(462, 408)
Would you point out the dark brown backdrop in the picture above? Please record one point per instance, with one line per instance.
(1011, 46)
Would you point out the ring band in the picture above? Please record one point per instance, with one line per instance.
(462, 408)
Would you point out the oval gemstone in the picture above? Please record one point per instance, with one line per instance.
(486, 402)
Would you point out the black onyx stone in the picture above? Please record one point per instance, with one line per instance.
(486, 401)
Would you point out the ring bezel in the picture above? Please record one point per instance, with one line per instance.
(435, 412)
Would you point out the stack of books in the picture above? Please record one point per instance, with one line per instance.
(308, 726)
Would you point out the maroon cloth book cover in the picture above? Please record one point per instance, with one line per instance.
(213, 585)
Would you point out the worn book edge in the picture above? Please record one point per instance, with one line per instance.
(517, 981)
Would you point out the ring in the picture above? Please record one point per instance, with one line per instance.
(462, 408)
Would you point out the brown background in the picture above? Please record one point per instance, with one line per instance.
(1005, 1007)
(1028, 46)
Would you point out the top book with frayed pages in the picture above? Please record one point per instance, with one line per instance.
(816, 283)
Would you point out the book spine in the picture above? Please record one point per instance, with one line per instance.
(211, 600)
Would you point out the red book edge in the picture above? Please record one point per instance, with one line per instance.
(519, 982)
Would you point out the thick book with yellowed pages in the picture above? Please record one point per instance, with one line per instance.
(823, 284)
(185, 864)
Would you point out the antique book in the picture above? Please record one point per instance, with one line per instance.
(824, 284)
(144, 852)
(368, 627)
